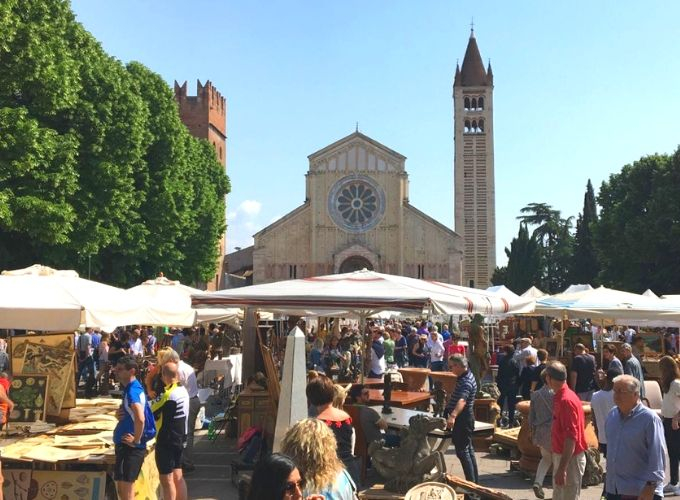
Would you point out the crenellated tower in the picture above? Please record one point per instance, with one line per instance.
(205, 115)
(474, 205)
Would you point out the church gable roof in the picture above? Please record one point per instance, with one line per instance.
(356, 152)
(355, 137)
(283, 220)
(434, 222)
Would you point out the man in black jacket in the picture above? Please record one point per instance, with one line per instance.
(507, 380)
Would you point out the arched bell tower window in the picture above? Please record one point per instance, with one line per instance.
(480, 104)
(474, 103)
(467, 104)
(480, 126)
(468, 127)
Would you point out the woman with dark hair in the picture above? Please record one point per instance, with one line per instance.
(276, 477)
(670, 411)
(320, 393)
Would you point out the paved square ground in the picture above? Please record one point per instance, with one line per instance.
(212, 478)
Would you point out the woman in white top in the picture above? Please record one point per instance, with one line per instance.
(670, 411)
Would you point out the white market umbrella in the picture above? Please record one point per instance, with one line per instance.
(650, 293)
(362, 293)
(168, 303)
(42, 298)
(292, 405)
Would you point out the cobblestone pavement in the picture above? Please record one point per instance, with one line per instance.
(212, 478)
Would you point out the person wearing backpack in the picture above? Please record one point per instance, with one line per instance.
(135, 427)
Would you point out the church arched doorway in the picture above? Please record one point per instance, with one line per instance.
(355, 263)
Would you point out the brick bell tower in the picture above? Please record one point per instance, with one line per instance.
(205, 115)
(474, 185)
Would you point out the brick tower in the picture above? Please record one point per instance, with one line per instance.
(474, 209)
(205, 115)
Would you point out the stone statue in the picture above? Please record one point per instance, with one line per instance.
(593, 473)
(439, 395)
(413, 461)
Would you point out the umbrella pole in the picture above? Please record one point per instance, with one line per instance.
(367, 350)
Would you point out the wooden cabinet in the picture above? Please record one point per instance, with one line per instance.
(256, 408)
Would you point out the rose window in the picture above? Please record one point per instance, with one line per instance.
(356, 203)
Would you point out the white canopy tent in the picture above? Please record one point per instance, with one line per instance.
(42, 298)
(534, 293)
(362, 293)
(168, 302)
(607, 303)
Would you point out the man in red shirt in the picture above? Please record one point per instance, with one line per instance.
(568, 435)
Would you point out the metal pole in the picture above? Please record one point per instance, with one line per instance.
(89, 265)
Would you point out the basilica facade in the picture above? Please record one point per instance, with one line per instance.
(356, 215)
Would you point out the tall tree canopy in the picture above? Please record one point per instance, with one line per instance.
(585, 266)
(95, 164)
(524, 263)
(637, 236)
(553, 235)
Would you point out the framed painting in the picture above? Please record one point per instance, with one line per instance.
(59, 340)
(57, 364)
(29, 393)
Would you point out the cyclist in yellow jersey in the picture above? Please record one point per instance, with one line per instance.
(171, 411)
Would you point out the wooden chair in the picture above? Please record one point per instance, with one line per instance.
(360, 445)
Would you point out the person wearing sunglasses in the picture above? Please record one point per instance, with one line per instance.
(313, 447)
(276, 477)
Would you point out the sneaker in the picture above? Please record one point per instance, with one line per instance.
(675, 492)
(670, 488)
(538, 491)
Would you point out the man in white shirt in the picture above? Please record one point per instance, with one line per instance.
(526, 350)
(629, 334)
(136, 347)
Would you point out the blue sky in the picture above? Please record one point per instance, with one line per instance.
(581, 89)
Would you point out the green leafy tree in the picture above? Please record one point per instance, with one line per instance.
(637, 235)
(585, 266)
(553, 235)
(524, 261)
(95, 164)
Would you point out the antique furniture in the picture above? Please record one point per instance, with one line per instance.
(403, 399)
(415, 378)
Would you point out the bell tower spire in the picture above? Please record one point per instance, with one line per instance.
(474, 186)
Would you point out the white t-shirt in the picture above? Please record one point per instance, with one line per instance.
(187, 377)
(670, 406)
(601, 403)
(378, 365)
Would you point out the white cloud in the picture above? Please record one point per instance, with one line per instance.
(231, 216)
(250, 207)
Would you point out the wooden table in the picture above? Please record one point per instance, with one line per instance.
(414, 378)
(401, 399)
(373, 381)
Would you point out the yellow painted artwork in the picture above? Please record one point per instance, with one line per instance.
(58, 340)
(17, 484)
(147, 486)
(55, 362)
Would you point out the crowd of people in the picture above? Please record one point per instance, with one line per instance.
(159, 398)
(394, 344)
